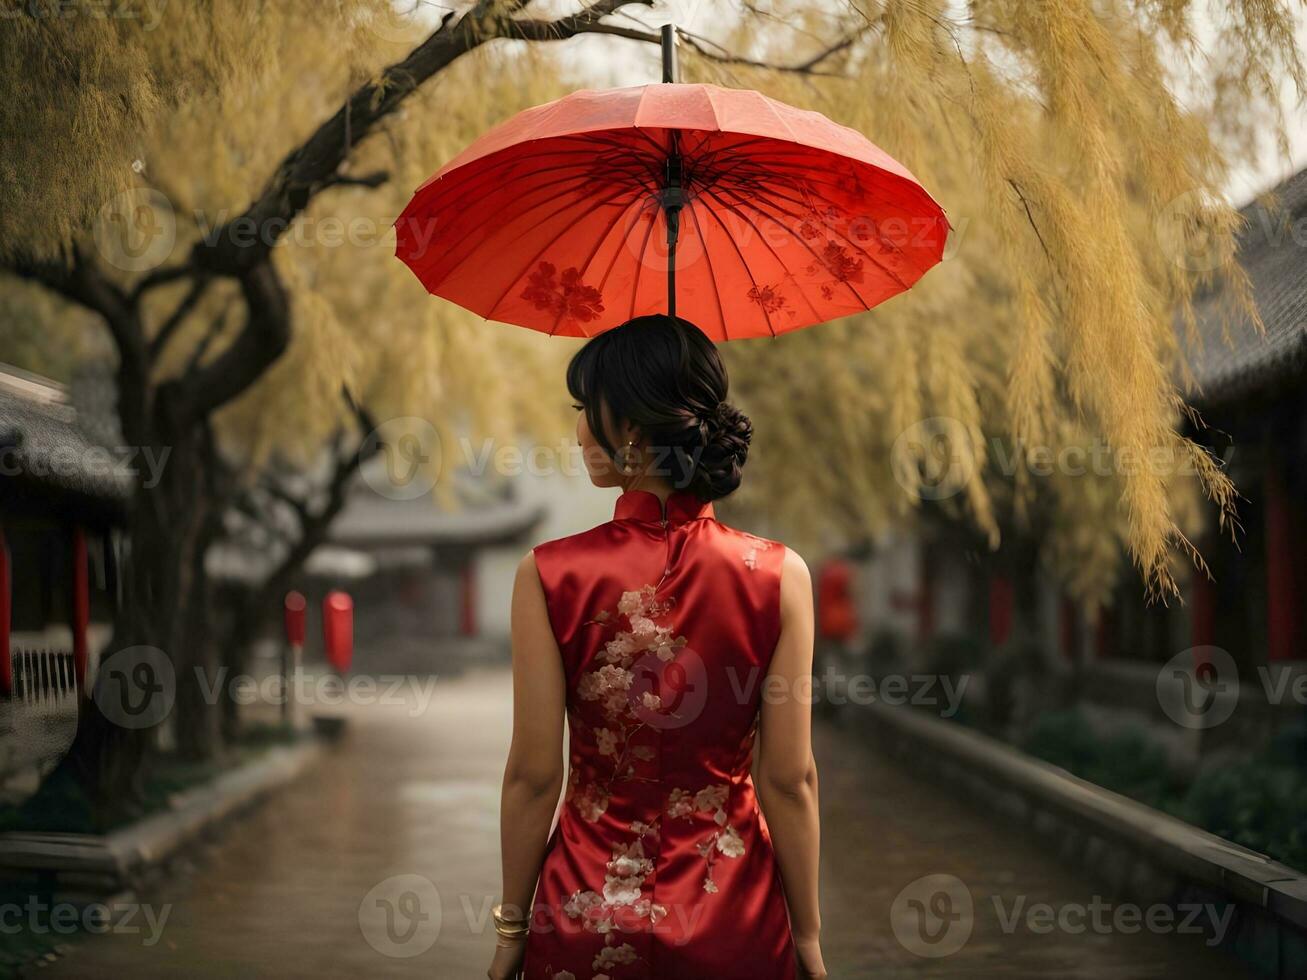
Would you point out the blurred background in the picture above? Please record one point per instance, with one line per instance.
(1052, 498)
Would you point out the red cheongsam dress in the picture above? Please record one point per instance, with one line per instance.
(661, 866)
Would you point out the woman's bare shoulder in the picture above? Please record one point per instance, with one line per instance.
(795, 576)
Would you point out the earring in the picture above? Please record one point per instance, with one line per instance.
(629, 458)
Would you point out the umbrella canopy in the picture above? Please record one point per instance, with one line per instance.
(559, 219)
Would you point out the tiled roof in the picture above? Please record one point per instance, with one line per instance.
(47, 460)
(1273, 251)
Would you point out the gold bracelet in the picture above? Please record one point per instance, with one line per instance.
(510, 928)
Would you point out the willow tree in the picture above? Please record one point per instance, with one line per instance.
(1085, 196)
(1050, 131)
(216, 188)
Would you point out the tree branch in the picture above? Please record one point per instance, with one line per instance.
(807, 67)
(178, 316)
(261, 341)
(81, 281)
(244, 242)
(315, 525)
(585, 21)
(367, 180)
(159, 277)
(702, 46)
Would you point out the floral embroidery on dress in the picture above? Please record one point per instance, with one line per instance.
(753, 545)
(725, 841)
(613, 955)
(610, 686)
(620, 905)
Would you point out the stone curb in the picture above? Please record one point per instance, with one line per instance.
(1143, 853)
(111, 863)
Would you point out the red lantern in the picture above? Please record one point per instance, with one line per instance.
(837, 619)
(338, 629)
(294, 611)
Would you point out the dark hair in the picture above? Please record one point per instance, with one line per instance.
(664, 375)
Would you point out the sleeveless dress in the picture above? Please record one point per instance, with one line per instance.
(661, 864)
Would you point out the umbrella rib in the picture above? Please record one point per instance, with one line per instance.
(721, 311)
(448, 185)
(487, 170)
(599, 242)
(549, 244)
(777, 161)
(576, 191)
(798, 285)
(779, 118)
(556, 175)
(617, 252)
(900, 210)
(639, 266)
(813, 252)
(740, 255)
(848, 241)
(612, 263)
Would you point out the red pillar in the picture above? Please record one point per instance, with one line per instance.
(81, 605)
(6, 599)
(1281, 626)
(1000, 609)
(468, 595)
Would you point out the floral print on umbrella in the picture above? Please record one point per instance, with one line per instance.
(836, 260)
(770, 299)
(565, 296)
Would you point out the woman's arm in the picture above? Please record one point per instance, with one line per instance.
(533, 777)
(787, 772)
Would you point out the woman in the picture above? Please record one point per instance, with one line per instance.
(669, 641)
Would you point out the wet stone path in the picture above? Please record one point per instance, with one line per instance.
(383, 862)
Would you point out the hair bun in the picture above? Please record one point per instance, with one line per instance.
(726, 448)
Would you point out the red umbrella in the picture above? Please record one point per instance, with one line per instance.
(563, 218)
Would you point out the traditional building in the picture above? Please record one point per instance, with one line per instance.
(937, 583)
(63, 498)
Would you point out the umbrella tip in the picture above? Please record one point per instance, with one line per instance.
(668, 33)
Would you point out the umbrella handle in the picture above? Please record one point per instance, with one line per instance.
(673, 199)
(673, 193)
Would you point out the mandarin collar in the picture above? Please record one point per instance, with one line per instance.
(644, 505)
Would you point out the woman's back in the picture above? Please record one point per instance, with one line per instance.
(661, 864)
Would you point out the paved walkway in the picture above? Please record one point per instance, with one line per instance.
(321, 882)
